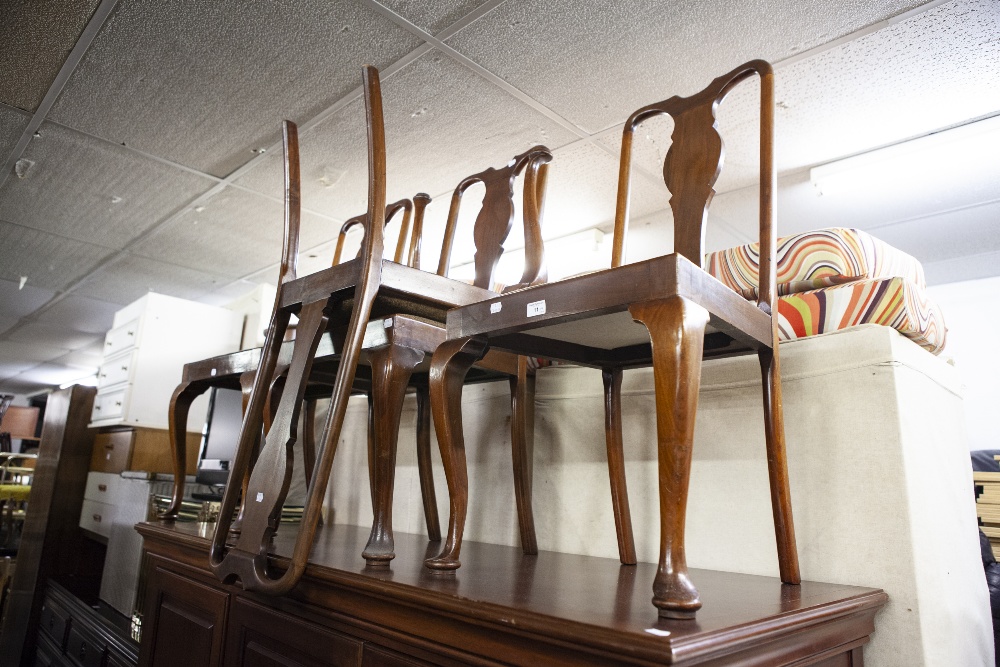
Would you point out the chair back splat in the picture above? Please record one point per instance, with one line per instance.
(496, 217)
(247, 559)
(693, 164)
(414, 208)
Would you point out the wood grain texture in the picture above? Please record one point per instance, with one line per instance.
(52, 545)
(612, 378)
(504, 607)
(687, 314)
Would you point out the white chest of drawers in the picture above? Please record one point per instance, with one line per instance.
(144, 354)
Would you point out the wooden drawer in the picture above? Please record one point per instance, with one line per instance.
(85, 647)
(109, 405)
(117, 370)
(54, 621)
(97, 517)
(146, 449)
(112, 451)
(47, 655)
(121, 338)
(102, 486)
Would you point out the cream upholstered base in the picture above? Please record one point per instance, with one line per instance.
(880, 476)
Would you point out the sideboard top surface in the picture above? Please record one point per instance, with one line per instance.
(573, 598)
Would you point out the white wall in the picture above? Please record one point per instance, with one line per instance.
(972, 314)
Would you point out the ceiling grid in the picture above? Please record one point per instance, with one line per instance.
(159, 133)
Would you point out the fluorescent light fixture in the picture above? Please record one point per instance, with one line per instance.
(961, 148)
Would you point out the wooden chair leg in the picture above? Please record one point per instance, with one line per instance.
(676, 329)
(424, 469)
(777, 467)
(371, 447)
(392, 367)
(246, 386)
(616, 464)
(449, 366)
(309, 441)
(522, 440)
(180, 404)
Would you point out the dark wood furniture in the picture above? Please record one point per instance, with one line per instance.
(52, 545)
(71, 634)
(344, 299)
(653, 312)
(503, 608)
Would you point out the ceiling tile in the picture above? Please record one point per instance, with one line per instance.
(81, 359)
(16, 385)
(940, 60)
(130, 277)
(595, 62)
(46, 260)
(80, 313)
(16, 301)
(52, 374)
(36, 38)
(443, 123)
(236, 232)
(432, 16)
(960, 269)
(86, 189)
(36, 333)
(224, 73)
(12, 352)
(12, 123)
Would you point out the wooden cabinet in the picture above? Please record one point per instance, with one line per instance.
(150, 341)
(501, 608)
(119, 449)
(71, 634)
(187, 622)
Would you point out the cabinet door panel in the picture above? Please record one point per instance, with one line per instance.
(380, 657)
(260, 637)
(185, 622)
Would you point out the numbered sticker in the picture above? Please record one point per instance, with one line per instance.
(536, 308)
(495, 308)
(387, 323)
(260, 496)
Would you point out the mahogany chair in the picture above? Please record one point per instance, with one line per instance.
(346, 297)
(666, 312)
(236, 371)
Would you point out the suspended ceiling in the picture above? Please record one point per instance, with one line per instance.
(139, 138)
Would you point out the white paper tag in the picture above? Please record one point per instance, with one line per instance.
(260, 496)
(495, 307)
(536, 308)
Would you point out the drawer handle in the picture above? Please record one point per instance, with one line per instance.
(124, 368)
(118, 404)
(104, 375)
(97, 408)
(83, 650)
(110, 445)
(102, 487)
(108, 344)
(97, 518)
(131, 333)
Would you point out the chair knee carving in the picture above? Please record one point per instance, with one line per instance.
(666, 312)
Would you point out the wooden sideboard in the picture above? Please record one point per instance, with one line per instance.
(501, 607)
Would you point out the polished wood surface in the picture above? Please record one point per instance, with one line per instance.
(504, 607)
(52, 545)
(666, 312)
(342, 299)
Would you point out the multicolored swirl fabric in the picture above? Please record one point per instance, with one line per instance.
(815, 259)
(891, 302)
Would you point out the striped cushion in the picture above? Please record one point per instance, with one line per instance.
(891, 302)
(815, 259)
